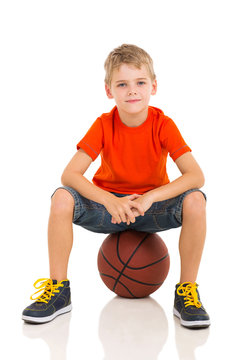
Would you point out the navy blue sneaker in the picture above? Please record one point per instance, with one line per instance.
(188, 308)
(55, 300)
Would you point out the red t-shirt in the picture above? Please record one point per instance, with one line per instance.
(133, 159)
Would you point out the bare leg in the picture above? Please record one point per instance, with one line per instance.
(60, 234)
(192, 237)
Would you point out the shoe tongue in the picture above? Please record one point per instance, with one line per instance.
(54, 282)
(183, 284)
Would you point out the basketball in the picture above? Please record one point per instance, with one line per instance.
(133, 264)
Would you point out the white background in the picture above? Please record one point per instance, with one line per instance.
(51, 91)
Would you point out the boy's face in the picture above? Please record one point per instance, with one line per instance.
(131, 88)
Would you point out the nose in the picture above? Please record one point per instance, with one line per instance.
(132, 93)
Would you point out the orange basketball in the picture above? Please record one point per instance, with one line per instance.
(132, 263)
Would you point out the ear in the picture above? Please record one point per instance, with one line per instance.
(108, 91)
(154, 87)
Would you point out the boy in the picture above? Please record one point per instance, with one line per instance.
(130, 190)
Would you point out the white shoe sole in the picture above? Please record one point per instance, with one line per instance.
(192, 324)
(41, 320)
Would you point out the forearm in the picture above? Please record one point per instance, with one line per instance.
(180, 185)
(85, 187)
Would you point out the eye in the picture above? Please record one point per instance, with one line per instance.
(121, 85)
(141, 83)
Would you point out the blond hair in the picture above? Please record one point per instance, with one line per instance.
(127, 54)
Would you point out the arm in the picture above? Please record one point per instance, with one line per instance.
(192, 177)
(73, 177)
(117, 207)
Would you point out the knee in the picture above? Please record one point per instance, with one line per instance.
(194, 204)
(62, 202)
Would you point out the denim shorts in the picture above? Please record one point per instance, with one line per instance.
(162, 215)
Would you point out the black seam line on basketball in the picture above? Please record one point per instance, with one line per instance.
(118, 240)
(128, 277)
(119, 283)
(143, 267)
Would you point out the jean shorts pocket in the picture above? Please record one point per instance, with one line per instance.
(159, 222)
(147, 223)
(89, 216)
(166, 221)
(101, 218)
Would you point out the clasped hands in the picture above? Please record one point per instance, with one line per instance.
(125, 209)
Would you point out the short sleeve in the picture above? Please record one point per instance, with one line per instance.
(92, 142)
(172, 140)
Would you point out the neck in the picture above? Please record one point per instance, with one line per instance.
(133, 120)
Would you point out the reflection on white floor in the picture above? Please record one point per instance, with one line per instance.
(187, 340)
(133, 329)
(129, 329)
(54, 333)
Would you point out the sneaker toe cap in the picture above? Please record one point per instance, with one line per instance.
(193, 313)
(37, 310)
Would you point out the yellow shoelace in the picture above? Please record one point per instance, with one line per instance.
(48, 288)
(189, 290)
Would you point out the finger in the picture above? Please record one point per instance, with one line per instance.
(117, 218)
(138, 207)
(135, 212)
(131, 216)
(120, 216)
(134, 196)
(123, 216)
(128, 220)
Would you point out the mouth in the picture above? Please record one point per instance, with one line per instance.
(133, 101)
